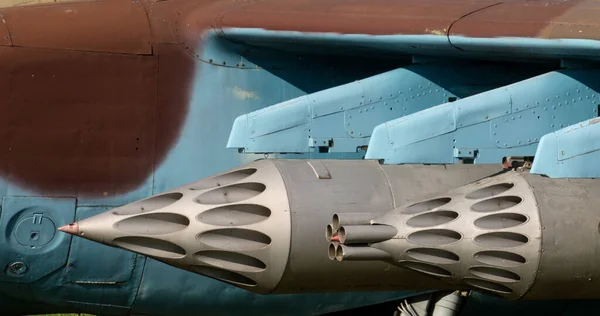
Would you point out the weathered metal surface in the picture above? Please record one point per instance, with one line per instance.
(164, 18)
(54, 145)
(544, 19)
(16, 3)
(355, 17)
(100, 26)
(72, 128)
(78, 122)
(175, 80)
(549, 19)
(5, 39)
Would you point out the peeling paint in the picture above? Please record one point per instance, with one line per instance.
(436, 32)
(242, 94)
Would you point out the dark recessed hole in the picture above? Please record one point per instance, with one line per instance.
(230, 261)
(432, 255)
(223, 275)
(486, 285)
(231, 194)
(495, 274)
(153, 224)
(496, 204)
(151, 247)
(234, 239)
(490, 191)
(149, 204)
(432, 219)
(501, 240)
(500, 221)
(500, 258)
(235, 215)
(427, 269)
(425, 206)
(223, 179)
(434, 237)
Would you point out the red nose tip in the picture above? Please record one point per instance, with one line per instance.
(72, 229)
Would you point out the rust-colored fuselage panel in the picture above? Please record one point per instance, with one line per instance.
(77, 122)
(520, 18)
(94, 94)
(103, 26)
(373, 17)
(5, 39)
(530, 19)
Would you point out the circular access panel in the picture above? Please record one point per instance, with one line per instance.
(35, 231)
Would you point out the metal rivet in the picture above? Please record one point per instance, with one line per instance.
(17, 267)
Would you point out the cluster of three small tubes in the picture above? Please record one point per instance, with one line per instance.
(350, 234)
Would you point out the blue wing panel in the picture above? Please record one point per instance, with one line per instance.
(508, 121)
(572, 152)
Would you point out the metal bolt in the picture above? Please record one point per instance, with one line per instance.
(17, 267)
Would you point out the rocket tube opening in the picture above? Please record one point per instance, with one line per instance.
(339, 253)
(329, 232)
(332, 251)
(342, 235)
(336, 222)
(365, 234)
(351, 219)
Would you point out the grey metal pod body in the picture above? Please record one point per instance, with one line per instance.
(260, 226)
